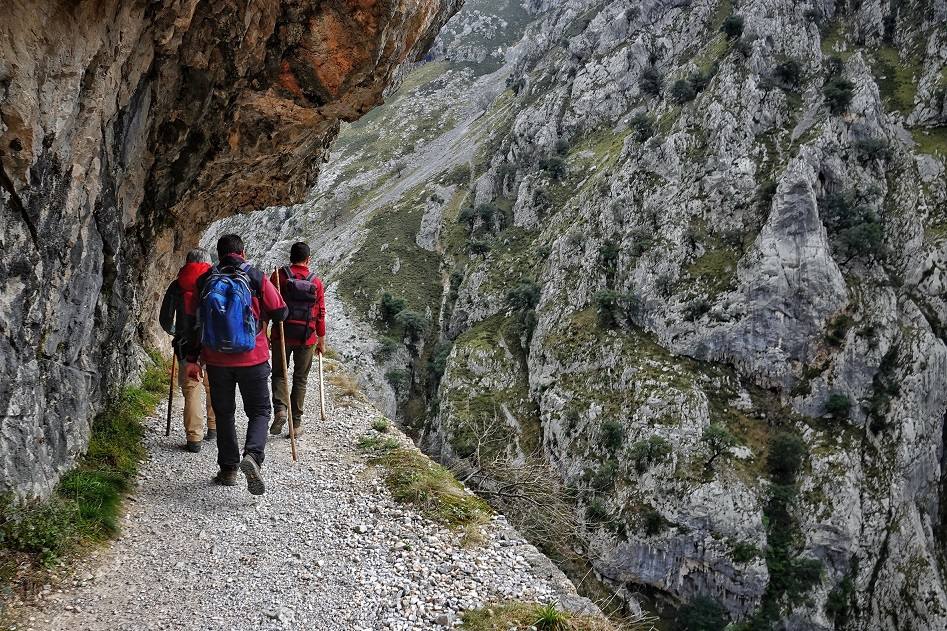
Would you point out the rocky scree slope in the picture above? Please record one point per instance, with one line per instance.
(692, 262)
(125, 129)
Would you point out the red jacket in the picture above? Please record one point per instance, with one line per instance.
(318, 307)
(267, 305)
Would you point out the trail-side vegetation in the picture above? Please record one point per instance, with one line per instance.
(85, 507)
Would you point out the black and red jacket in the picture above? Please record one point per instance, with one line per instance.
(318, 311)
(179, 306)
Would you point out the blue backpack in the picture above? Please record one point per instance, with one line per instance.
(226, 313)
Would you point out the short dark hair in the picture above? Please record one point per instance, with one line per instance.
(299, 252)
(229, 244)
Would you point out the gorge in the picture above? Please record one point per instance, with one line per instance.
(663, 281)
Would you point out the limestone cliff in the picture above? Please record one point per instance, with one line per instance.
(689, 256)
(126, 127)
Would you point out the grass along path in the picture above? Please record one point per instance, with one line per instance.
(328, 547)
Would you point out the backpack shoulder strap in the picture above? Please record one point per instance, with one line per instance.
(288, 271)
(256, 278)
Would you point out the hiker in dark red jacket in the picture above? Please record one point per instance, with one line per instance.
(305, 328)
(177, 319)
(228, 369)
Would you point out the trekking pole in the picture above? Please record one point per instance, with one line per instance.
(289, 404)
(322, 390)
(167, 427)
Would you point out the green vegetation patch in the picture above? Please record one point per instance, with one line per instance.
(85, 507)
(897, 78)
(415, 479)
(390, 238)
(520, 616)
(475, 406)
(931, 140)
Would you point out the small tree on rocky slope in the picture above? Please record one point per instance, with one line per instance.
(717, 442)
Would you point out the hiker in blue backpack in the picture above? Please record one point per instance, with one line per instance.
(235, 300)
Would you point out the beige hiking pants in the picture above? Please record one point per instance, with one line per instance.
(193, 410)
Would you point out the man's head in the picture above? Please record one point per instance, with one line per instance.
(229, 244)
(198, 255)
(299, 253)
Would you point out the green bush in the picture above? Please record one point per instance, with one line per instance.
(788, 73)
(47, 529)
(701, 614)
(682, 91)
(608, 257)
(562, 146)
(838, 93)
(554, 166)
(717, 442)
(784, 457)
(870, 149)
(838, 406)
(645, 453)
(837, 603)
(613, 434)
(467, 215)
(390, 307)
(613, 308)
(652, 522)
(643, 126)
(650, 81)
(733, 26)
(524, 296)
(414, 324)
(743, 552)
(438, 362)
(487, 213)
(400, 380)
(479, 246)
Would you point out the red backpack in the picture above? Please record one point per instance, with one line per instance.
(300, 296)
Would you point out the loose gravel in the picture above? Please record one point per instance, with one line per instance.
(325, 548)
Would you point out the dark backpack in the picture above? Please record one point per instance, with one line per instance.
(300, 297)
(226, 311)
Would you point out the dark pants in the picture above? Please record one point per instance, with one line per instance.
(301, 357)
(255, 392)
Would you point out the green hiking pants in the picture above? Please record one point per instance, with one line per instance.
(301, 359)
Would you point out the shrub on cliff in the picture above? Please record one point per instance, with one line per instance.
(701, 614)
(838, 92)
(650, 81)
(390, 306)
(682, 91)
(733, 26)
(414, 324)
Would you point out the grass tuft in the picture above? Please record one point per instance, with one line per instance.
(520, 616)
(415, 479)
(381, 425)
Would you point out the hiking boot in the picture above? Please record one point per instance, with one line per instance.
(193, 447)
(211, 434)
(251, 470)
(279, 419)
(226, 477)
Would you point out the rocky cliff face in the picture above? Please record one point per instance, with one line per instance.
(689, 256)
(125, 129)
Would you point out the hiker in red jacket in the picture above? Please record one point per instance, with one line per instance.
(236, 299)
(177, 319)
(305, 328)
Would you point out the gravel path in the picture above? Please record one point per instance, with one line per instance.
(326, 548)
